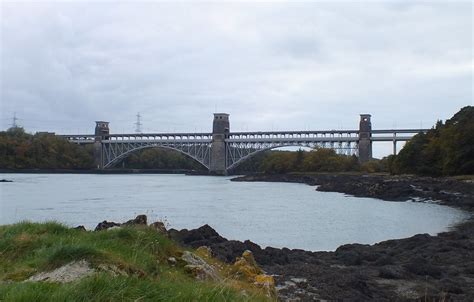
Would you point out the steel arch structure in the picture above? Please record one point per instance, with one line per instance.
(113, 149)
(237, 153)
(114, 152)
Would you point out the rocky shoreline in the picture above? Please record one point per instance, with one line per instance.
(435, 268)
(419, 268)
(447, 191)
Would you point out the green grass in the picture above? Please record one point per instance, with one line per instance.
(103, 288)
(27, 248)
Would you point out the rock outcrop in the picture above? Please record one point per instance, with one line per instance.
(199, 268)
(104, 225)
(248, 269)
(139, 220)
(435, 266)
(67, 273)
(160, 227)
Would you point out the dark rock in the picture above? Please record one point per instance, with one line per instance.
(104, 225)
(274, 255)
(362, 287)
(175, 235)
(384, 260)
(139, 220)
(415, 242)
(421, 266)
(370, 256)
(197, 237)
(160, 227)
(349, 258)
(80, 228)
(392, 272)
(349, 254)
(451, 286)
(469, 269)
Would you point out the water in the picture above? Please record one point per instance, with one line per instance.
(270, 214)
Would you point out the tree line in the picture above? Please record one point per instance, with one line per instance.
(317, 160)
(21, 150)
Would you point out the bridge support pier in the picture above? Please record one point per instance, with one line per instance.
(98, 154)
(220, 131)
(101, 132)
(365, 142)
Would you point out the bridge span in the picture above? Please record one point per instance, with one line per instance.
(221, 150)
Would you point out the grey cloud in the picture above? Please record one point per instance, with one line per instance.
(270, 65)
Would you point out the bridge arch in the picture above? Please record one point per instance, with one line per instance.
(258, 151)
(120, 157)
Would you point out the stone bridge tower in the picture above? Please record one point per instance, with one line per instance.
(365, 133)
(220, 131)
(101, 132)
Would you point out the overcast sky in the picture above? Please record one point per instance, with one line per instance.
(270, 65)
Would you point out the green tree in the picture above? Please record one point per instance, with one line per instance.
(447, 149)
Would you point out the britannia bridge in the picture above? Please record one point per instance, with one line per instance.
(222, 150)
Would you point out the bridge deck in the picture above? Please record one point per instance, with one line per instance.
(249, 137)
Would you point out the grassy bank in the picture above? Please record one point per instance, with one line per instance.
(131, 263)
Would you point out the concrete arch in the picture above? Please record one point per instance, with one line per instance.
(128, 152)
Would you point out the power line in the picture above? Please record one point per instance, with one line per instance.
(138, 124)
(14, 120)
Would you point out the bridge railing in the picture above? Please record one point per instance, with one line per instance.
(289, 134)
(142, 137)
(261, 136)
(79, 138)
(159, 136)
(406, 131)
(296, 140)
(180, 140)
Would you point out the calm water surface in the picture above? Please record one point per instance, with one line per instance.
(270, 214)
